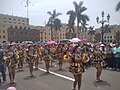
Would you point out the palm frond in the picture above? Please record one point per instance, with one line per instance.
(82, 9)
(76, 6)
(85, 17)
(118, 7)
(49, 13)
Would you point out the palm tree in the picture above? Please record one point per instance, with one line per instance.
(107, 28)
(77, 14)
(54, 22)
(91, 32)
(79, 9)
(71, 21)
(118, 7)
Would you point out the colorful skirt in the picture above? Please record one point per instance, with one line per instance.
(76, 69)
(98, 63)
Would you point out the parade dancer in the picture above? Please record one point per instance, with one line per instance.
(36, 57)
(30, 59)
(76, 67)
(60, 56)
(46, 57)
(98, 62)
(11, 62)
(20, 58)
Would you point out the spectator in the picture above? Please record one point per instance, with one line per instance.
(2, 65)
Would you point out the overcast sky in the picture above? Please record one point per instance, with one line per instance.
(38, 9)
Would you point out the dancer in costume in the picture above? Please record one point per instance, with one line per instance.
(20, 55)
(30, 59)
(46, 57)
(11, 61)
(98, 62)
(60, 56)
(76, 67)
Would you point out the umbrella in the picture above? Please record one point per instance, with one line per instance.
(83, 41)
(75, 40)
(51, 42)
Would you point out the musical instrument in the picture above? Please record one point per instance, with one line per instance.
(85, 58)
(67, 58)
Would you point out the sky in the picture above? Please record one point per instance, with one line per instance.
(38, 10)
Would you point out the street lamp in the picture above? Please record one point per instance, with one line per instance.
(102, 22)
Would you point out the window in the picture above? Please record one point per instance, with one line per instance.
(9, 18)
(3, 25)
(16, 27)
(110, 36)
(3, 31)
(107, 36)
(9, 22)
(11, 26)
(18, 19)
(24, 27)
(4, 36)
(22, 20)
(20, 27)
(0, 36)
(14, 19)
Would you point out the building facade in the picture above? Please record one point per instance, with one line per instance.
(7, 21)
(19, 35)
(109, 36)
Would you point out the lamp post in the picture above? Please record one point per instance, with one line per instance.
(102, 22)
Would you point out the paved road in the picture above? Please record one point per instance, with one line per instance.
(62, 80)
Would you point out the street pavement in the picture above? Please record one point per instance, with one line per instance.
(62, 79)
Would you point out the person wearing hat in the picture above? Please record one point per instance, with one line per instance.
(11, 88)
(30, 59)
(2, 64)
(98, 60)
(77, 67)
(11, 63)
(46, 57)
(116, 53)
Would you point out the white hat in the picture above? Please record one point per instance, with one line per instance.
(102, 45)
(11, 88)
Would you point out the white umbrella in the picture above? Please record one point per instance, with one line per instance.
(75, 40)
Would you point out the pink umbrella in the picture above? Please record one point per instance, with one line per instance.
(83, 41)
(51, 42)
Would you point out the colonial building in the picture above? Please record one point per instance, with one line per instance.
(7, 21)
(19, 35)
(109, 36)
